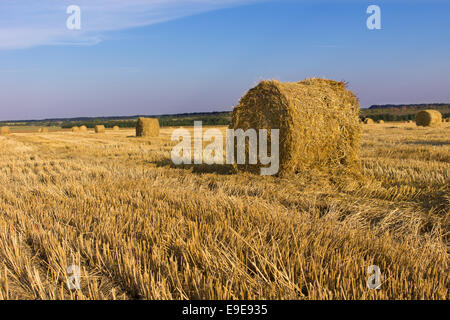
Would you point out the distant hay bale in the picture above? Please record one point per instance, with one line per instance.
(428, 118)
(410, 121)
(83, 129)
(368, 121)
(75, 129)
(43, 130)
(116, 128)
(380, 121)
(99, 129)
(318, 122)
(147, 127)
(4, 131)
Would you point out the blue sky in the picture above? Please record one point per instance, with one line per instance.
(171, 56)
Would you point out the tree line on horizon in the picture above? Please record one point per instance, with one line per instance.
(377, 112)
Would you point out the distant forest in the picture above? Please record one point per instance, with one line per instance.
(411, 106)
(176, 120)
(388, 112)
(402, 112)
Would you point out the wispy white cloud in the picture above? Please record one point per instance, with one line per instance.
(29, 23)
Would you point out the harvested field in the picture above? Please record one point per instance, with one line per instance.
(141, 228)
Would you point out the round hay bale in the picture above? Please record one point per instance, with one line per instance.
(100, 129)
(368, 121)
(147, 127)
(428, 118)
(75, 129)
(83, 129)
(380, 121)
(4, 131)
(318, 122)
(116, 128)
(43, 130)
(410, 121)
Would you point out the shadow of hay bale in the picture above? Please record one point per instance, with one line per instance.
(197, 168)
(429, 143)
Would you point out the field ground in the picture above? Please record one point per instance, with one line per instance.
(140, 228)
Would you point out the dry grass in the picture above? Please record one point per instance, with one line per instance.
(4, 131)
(429, 118)
(317, 119)
(147, 127)
(140, 227)
(100, 129)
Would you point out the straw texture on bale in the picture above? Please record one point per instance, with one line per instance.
(75, 129)
(368, 121)
(83, 129)
(380, 121)
(116, 128)
(318, 122)
(428, 118)
(147, 127)
(43, 130)
(99, 129)
(4, 131)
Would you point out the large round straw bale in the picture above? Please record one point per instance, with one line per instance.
(147, 127)
(428, 118)
(75, 129)
(380, 121)
(368, 121)
(83, 129)
(116, 128)
(318, 122)
(100, 129)
(4, 131)
(43, 130)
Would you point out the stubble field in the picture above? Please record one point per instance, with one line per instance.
(140, 228)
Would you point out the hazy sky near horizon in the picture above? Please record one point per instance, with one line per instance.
(171, 56)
